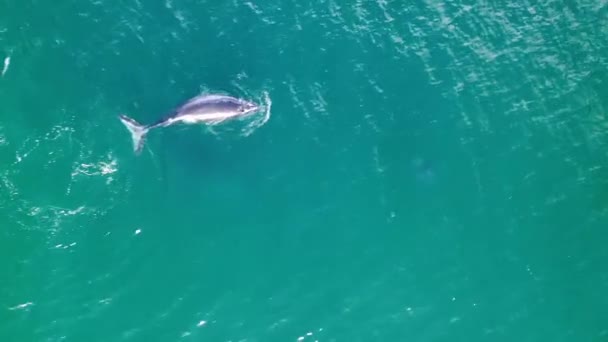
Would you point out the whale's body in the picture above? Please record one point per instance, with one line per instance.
(200, 109)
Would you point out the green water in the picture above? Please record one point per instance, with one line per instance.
(430, 171)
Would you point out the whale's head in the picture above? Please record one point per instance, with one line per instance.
(246, 107)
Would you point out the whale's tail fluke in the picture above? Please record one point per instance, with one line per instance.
(138, 132)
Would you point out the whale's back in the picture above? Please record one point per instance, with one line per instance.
(206, 104)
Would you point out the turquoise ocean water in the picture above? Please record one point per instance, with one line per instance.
(426, 171)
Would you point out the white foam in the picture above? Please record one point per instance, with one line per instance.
(7, 62)
(21, 306)
(101, 168)
(261, 120)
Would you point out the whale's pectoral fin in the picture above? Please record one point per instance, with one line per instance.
(215, 122)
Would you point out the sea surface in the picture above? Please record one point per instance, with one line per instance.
(421, 171)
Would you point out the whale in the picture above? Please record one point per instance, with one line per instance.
(205, 109)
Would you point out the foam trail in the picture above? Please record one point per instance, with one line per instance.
(268, 104)
(7, 62)
(261, 121)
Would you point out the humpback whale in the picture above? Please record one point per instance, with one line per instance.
(209, 109)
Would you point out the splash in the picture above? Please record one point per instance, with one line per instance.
(21, 306)
(103, 168)
(259, 120)
(100, 168)
(7, 62)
